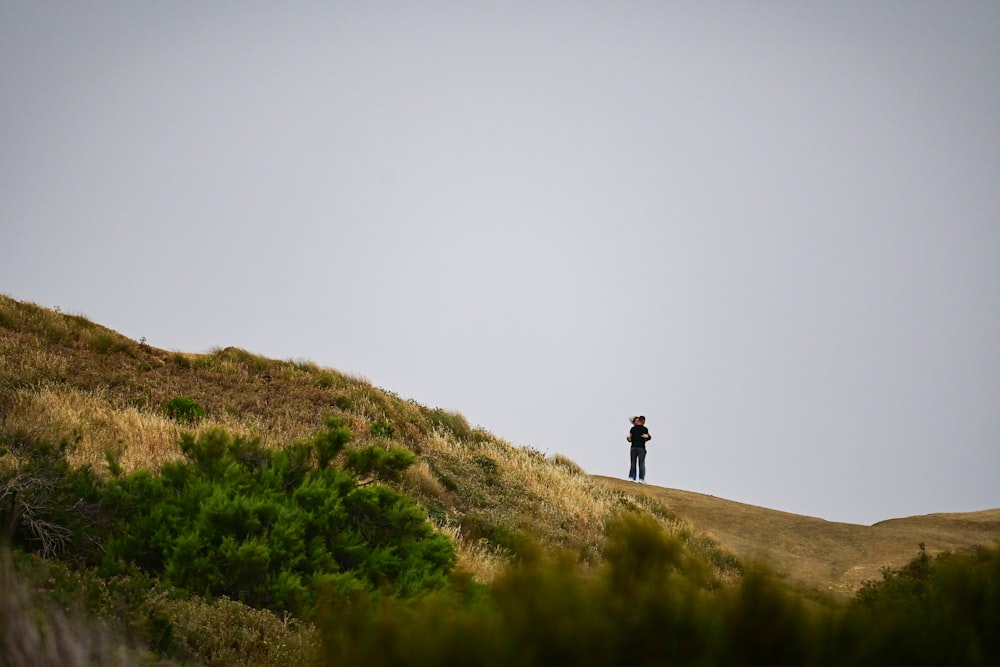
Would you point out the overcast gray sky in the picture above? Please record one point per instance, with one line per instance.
(772, 227)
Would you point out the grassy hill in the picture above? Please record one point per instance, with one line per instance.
(815, 554)
(63, 376)
(531, 529)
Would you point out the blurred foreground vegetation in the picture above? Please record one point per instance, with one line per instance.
(649, 606)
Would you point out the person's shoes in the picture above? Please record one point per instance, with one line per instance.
(642, 481)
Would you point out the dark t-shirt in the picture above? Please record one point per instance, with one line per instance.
(637, 432)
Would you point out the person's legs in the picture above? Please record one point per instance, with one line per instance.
(642, 463)
(633, 457)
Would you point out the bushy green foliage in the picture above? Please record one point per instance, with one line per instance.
(452, 423)
(270, 528)
(387, 464)
(382, 429)
(943, 610)
(266, 527)
(652, 604)
(184, 409)
(642, 607)
(330, 441)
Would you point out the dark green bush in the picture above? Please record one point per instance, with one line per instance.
(270, 528)
(380, 463)
(382, 429)
(184, 409)
(941, 610)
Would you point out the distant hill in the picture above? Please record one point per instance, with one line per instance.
(814, 553)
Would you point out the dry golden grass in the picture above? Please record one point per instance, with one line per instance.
(139, 438)
(547, 499)
(482, 560)
(532, 473)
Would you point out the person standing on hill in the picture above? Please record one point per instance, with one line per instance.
(638, 435)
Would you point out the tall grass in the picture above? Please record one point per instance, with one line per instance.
(140, 438)
(510, 494)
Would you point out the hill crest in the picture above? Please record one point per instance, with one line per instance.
(813, 553)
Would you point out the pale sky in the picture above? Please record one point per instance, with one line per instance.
(773, 227)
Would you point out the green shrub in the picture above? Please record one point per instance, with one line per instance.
(269, 528)
(382, 429)
(184, 409)
(450, 422)
(540, 612)
(380, 463)
(941, 610)
(180, 360)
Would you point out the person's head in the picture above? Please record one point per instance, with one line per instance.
(637, 421)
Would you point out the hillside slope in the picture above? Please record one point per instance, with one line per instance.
(813, 553)
(65, 377)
